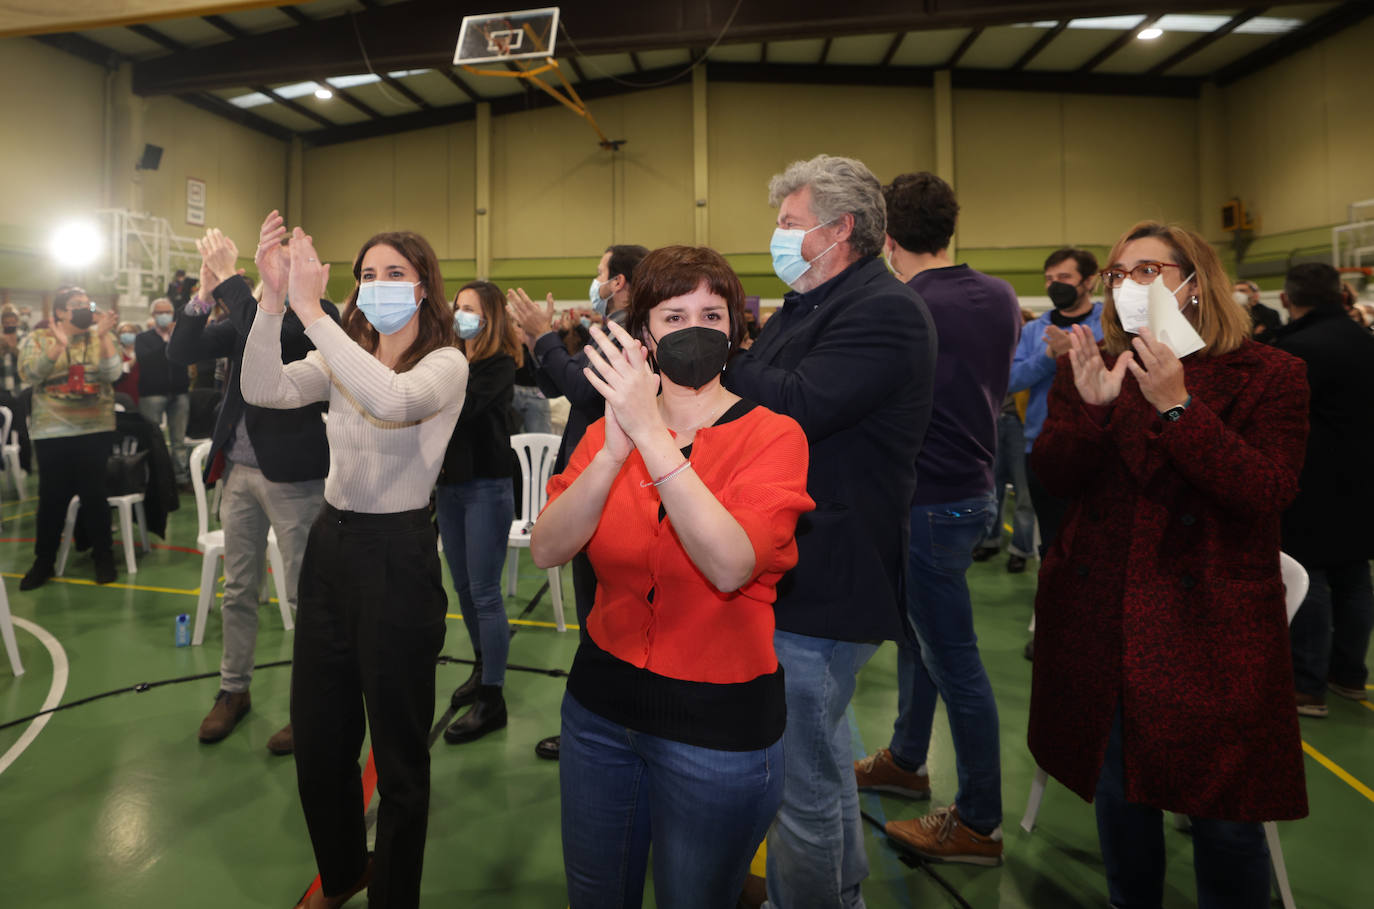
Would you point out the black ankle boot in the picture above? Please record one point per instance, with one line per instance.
(466, 693)
(487, 714)
(105, 571)
(38, 574)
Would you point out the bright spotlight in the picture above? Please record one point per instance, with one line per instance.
(323, 93)
(76, 244)
(1150, 34)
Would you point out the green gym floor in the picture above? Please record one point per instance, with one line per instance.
(114, 802)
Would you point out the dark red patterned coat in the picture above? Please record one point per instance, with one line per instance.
(1163, 592)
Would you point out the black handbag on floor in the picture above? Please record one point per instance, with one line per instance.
(126, 470)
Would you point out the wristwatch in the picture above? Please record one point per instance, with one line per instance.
(1174, 414)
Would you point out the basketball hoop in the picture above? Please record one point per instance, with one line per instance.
(524, 42)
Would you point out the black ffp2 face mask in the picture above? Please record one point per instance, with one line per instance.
(691, 357)
(1062, 295)
(81, 318)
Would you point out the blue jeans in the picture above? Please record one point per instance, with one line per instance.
(941, 614)
(1010, 467)
(1330, 631)
(474, 521)
(1230, 859)
(816, 846)
(178, 410)
(704, 810)
(533, 408)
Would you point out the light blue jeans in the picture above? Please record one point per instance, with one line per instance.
(816, 845)
(474, 522)
(533, 408)
(178, 410)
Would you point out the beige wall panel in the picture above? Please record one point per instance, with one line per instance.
(1009, 168)
(755, 131)
(244, 171)
(1310, 152)
(422, 191)
(656, 188)
(551, 189)
(1126, 160)
(53, 108)
(462, 191)
(1349, 84)
(350, 194)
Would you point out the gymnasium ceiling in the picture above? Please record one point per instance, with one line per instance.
(387, 62)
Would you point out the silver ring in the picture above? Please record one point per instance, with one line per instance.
(312, 260)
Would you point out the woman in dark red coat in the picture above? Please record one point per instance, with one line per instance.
(1162, 676)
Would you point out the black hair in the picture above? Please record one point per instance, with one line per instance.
(624, 260)
(921, 212)
(1086, 261)
(1313, 285)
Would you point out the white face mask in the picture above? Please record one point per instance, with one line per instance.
(1241, 297)
(1133, 303)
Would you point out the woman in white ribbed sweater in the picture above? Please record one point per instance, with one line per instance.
(371, 603)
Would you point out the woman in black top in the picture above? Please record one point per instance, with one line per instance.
(476, 502)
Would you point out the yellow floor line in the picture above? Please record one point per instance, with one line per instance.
(1339, 771)
(1366, 705)
(15, 517)
(530, 622)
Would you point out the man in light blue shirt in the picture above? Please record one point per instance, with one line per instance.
(1070, 275)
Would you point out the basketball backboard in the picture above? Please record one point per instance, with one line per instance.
(496, 37)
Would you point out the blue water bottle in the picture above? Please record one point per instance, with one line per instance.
(183, 630)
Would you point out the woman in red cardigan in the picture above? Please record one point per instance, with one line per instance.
(686, 499)
(1162, 674)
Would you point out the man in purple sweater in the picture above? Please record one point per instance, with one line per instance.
(978, 322)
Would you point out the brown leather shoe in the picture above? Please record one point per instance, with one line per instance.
(230, 707)
(941, 837)
(282, 741)
(317, 899)
(879, 772)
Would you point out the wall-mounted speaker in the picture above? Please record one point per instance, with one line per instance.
(152, 157)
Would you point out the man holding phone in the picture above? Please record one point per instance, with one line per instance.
(71, 365)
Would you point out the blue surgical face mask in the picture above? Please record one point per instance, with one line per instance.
(585, 322)
(788, 263)
(127, 338)
(467, 324)
(598, 302)
(162, 319)
(388, 305)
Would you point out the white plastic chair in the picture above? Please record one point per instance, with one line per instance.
(10, 451)
(1295, 583)
(7, 632)
(536, 452)
(211, 545)
(129, 506)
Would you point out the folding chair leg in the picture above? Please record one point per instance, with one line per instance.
(126, 531)
(1271, 834)
(142, 515)
(209, 574)
(1037, 794)
(7, 631)
(512, 570)
(279, 579)
(68, 529)
(556, 592)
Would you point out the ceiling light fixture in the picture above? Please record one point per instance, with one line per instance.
(1150, 34)
(323, 93)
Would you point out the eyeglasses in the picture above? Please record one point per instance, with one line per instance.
(1144, 273)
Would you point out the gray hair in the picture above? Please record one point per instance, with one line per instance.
(153, 305)
(839, 186)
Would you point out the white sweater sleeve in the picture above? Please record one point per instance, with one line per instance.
(436, 383)
(266, 382)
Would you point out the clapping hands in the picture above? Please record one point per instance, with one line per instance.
(290, 272)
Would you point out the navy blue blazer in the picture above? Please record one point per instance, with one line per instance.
(852, 361)
(290, 445)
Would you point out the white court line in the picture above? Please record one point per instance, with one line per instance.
(59, 687)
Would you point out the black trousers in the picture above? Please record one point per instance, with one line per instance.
(72, 466)
(369, 628)
(1049, 510)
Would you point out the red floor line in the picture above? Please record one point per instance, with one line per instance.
(369, 786)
